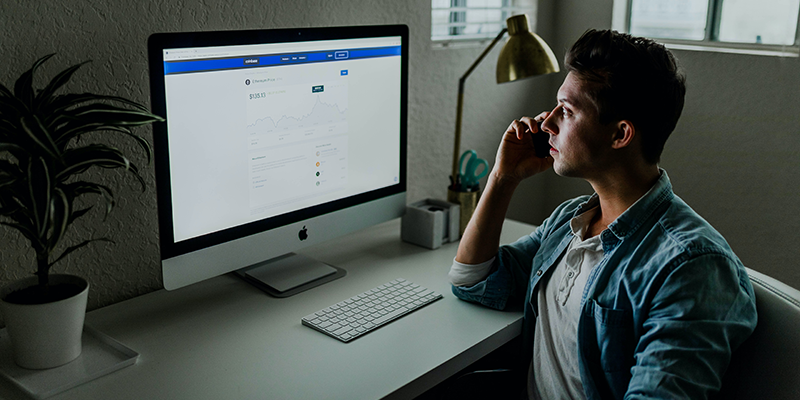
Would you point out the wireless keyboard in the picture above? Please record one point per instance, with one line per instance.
(370, 310)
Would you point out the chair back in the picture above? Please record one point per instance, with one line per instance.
(767, 365)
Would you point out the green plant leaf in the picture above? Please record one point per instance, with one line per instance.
(66, 132)
(27, 232)
(40, 163)
(78, 246)
(11, 148)
(134, 170)
(45, 96)
(39, 135)
(8, 103)
(4, 92)
(101, 117)
(81, 159)
(10, 168)
(142, 142)
(23, 88)
(8, 127)
(77, 189)
(66, 101)
(40, 191)
(9, 209)
(78, 213)
(9, 195)
(18, 152)
(60, 211)
(109, 114)
(77, 160)
(7, 180)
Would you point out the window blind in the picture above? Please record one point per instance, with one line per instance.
(474, 19)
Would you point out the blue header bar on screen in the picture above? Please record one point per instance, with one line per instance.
(178, 67)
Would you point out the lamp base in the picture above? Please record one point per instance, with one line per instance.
(468, 202)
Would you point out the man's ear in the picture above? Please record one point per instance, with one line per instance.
(624, 134)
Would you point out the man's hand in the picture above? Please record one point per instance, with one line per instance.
(516, 158)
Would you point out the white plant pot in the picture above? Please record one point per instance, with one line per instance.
(45, 335)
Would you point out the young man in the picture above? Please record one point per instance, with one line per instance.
(627, 293)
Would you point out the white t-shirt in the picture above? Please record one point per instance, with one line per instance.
(554, 372)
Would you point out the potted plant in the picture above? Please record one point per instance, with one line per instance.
(46, 147)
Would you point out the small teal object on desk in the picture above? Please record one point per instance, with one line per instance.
(468, 175)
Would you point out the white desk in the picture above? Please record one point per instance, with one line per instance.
(224, 339)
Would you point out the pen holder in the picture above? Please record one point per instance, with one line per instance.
(468, 201)
(430, 223)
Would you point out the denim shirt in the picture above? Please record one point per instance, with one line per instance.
(661, 313)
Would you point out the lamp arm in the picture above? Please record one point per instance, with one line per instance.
(460, 107)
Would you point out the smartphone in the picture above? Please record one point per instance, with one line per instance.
(541, 142)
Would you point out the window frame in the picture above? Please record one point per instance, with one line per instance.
(621, 21)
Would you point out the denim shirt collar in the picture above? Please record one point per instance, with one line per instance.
(630, 220)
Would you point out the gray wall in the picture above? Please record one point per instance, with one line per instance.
(735, 154)
(114, 34)
(742, 183)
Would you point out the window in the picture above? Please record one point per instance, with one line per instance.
(475, 20)
(763, 25)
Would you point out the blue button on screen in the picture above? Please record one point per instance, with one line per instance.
(344, 72)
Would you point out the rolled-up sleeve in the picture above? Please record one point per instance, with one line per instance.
(508, 276)
(469, 274)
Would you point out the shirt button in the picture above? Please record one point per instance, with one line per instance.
(539, 273)
(571, 274)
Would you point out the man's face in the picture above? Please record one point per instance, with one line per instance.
(581, 145)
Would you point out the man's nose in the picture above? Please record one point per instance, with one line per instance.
(549, 124)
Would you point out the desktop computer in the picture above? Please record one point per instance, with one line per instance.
(275, 140)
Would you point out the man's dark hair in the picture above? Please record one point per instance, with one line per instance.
(633, 78)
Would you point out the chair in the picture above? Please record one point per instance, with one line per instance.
(767, 365)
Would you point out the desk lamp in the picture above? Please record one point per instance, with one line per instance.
(525, 54)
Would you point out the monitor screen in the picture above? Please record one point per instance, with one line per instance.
(275, 140)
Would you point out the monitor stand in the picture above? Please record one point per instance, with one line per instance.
(289, 274)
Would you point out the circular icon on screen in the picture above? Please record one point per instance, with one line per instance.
(247, 81)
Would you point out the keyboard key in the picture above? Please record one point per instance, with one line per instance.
(342, 330)
(390, 316)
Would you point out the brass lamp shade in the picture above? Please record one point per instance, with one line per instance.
(525, 54)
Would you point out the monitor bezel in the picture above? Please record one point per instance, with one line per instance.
(175, 40)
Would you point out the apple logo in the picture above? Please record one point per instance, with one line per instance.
(303, 234)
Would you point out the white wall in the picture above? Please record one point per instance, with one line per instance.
(114, 34)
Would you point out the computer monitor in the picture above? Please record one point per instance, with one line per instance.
(275, 140)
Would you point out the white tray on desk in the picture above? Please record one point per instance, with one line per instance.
(101, 355)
